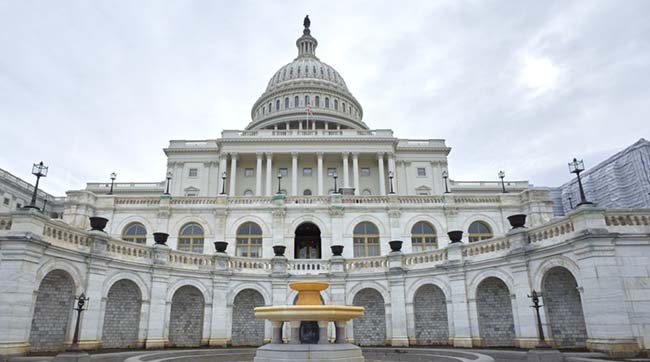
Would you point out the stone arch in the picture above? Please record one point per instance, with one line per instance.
(207, 230)
(231, 231)
(351, 294)
(495, 317)
(188, 282)
(131, 276)
(497, 228)
(558, 261)
(564, 308)
(370, 330)
(435, 281)
(480, 277)
(52, 311)
(246, 329)
(131, 219)
(122, 315)
(295, 223)
(406, 232)
(430, 312)
(186, 317)
(266, 295)
(72, 271)
(349, 230)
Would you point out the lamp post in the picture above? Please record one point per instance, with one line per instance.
(335, 177)
(576, 167)
(390, 176)
(279, 182)
(81, 301)
(113, 177)
(39, 170)
(169, 179)
(502, 175)
(445, 175)
(540, 330)
(223, 183)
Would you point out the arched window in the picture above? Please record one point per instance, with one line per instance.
(248, 192)
(479, 230)
(343, 106)
(366, 239)
(307, 192)
(317, 101)
(277, 105)
(336, 105)
(423, 237)
(249, 240)
(327, 102)
(306, 101)
(366, 192)
(286, 103)
(270, 107)
(191, 238)
(135, 233)
(296, 101)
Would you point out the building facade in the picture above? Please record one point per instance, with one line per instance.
(305, 176)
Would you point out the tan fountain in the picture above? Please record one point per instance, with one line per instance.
(308, 320)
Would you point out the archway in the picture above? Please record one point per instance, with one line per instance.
(430, 312)
(564, 308)
(186, 317)
(307, 241)
(370, 330)
(246, 329)
(122, 315)
(54, 301)
(495, 321)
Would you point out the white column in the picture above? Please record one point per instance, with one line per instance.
(355, 171)
(320, 173)
(294, 173)
(258, 174)
(269, 173)
(391, 168)
(346, 175)
(233, 173)
(382, 177)
(223, 160)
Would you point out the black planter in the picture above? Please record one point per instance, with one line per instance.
(455, 236)
(98, 223)
(337, 250)
(220, 246)
(278, 250)
(395, 245)
(160, 238)
(517, 221)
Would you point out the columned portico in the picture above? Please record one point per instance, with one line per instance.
(346, 176)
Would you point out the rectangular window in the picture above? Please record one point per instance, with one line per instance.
(6, 201)
(194, 172)
(248, 172)
(365, 171)
(284, 172)
(422, 172)
(331, 171)
(306, 171)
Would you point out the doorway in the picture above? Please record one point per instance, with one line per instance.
(307, 241)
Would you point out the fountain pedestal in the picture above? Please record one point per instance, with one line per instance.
(309, 308)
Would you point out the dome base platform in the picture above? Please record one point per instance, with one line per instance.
(339, 352)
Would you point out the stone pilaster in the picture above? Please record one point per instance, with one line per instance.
(220, 326)
(399, 335)
(156, 331)
(461, 335)
(91, 325)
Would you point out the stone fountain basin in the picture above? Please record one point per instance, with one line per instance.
(283, 313)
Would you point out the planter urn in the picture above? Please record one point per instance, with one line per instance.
(220, 246)
(517, 221)
(455, 236)
(395, 245)
(160, 238)
(337, 250)
(278, 250)
(98, 223)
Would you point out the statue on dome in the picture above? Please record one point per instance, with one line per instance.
(306, 23)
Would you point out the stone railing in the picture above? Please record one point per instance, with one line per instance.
(265, 133)
(627, 218)
(486, 246)
(250, 265)
(249, 200)
(195, 201)
(64, 235)
(184, 259)
(370, 264)
(556, 229)
(421, 200)
(308, 266)
(148, 201)
(365, 199)
(309, 200)
(425, 258)
(126, 249)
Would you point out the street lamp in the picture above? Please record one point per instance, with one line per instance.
(169, 179)
(81, 301)
(390, 176)
(223, 183)
(502, 175)
(576, 167)
(335, 177)
(445, 175)
(113, 177)
(39, 170)
(540, 331)
(279, 182)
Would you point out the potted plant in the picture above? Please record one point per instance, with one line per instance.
(160, 238)
(517, 220)
(455, 236)
(337, 250)
(395, 245)
(220, 246)
(278, 250)
(98, 223)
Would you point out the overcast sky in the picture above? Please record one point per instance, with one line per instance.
(92, 87)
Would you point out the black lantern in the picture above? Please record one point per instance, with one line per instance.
(577, 166)
(223, 183)
(335, 176)
(81, 302)
(502, 175)
(279, 182)
(113, 177)
(445, 175)
(169, 179)
(39, 170)
(390, 177)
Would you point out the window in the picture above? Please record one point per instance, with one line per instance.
(336, 105)
(296, 101)
(366, 192)
(422, 172)
(331, 171)
(6, 201)
(194, 172)
(248, 172)
(366, 240)
(327, 102)
(135, 233)
(277, 105)
(365, 171)
(423, 237)
(306, 100)
(19, 205)
(284, 172)
(248, 192)
(249, 240)
(270, 107)
(307, 192)
(286, 103)
(306, 171)
(479, 230)
(191, 238)
(191, 194)
(343, 106)
(317, 101)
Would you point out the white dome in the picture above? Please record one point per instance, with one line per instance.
(306, 68)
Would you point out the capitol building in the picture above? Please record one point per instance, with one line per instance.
(309, 191)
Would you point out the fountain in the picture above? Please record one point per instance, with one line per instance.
(308, 320)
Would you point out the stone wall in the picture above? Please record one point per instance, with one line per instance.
(496, 323)
(52, 312)
(370, 330)
(564, 308)
(186, 317)
(122, 315)
(430, 311)
(246, 329)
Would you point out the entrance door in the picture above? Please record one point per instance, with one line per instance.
(307, 242)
